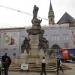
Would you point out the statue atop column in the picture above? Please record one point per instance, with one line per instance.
(35, 20)
(35, 11)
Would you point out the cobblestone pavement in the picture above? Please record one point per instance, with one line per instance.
(34, 73)
(28, 73)
(66, 72)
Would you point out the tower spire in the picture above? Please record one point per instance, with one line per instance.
(51, 9)
(51, 14)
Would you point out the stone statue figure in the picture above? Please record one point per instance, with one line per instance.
(35, 20)
(43, 44)
(35, 11)
(25, 45)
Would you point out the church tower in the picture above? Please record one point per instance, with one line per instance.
(51, 14)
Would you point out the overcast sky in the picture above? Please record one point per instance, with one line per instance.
(12, 18)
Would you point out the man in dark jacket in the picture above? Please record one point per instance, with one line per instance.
(6, 61)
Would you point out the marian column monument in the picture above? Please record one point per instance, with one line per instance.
(36, 46)
(34, 34)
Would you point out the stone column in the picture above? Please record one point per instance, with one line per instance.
(34, 53)
(34, 42)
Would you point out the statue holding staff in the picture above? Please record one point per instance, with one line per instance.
(35, 11)
(35, 20)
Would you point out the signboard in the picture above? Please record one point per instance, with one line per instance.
(72, 54)
(11, 40)
(9, 43)
(24, 66)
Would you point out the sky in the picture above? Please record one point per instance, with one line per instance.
(10, 18)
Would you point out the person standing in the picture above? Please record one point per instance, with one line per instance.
(43, 66)
(6, 61)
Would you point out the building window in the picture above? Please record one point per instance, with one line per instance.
(66, 38)
(66, 44)
(55, 38)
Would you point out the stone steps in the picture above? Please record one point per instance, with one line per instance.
(33, 68)
(36, 68)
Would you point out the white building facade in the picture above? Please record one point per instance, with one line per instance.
(60, 35)
(11, 39)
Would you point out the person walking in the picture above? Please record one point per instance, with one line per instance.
(43, 66)
(0, 66)
(6, 61)
(59, 65)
